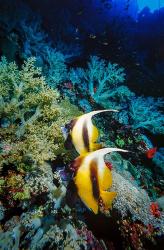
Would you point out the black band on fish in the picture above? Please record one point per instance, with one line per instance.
(68, 142)
(71, 124)
(94, 179)
(85, 136)
(74, 166)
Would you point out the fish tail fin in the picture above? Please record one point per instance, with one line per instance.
(107, 198)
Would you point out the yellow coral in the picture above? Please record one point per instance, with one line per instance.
(33, 116)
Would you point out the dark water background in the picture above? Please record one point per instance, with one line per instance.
(133, 39)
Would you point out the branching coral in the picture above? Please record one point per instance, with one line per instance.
(35, 40)
(145, 113)
(31, 116)
(69, 50)
(101, 80)
(148, 108)
(20, 35)
(56, 70)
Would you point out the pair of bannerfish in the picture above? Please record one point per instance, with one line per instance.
(92, 178)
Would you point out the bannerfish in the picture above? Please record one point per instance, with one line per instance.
(93, 179)
(83, 134)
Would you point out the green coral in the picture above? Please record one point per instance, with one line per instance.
(120, 142)
(31, 115)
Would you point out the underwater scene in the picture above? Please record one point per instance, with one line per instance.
(81, 124)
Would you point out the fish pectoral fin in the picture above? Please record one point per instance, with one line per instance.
(95, 146)
(105, 180)
(107, 198)
(95, 134)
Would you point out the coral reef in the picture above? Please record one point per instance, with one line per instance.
(47, 232)
(144, 113)
(56, 70)
(31, 116)
(133, 200)
(35, 40)
(39, 207)
(135, 234)
(101, 80)
(46, 221)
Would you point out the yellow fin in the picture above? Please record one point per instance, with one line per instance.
(107, 198)
(95, 134)
(95, 146)
(105, 179)
(83, 183)
(93, 138)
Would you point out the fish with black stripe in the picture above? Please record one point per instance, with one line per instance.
(93, 178)
(83, 134)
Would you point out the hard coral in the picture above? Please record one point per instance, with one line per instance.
(135, 234)
(47, 231)
(133, 200)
